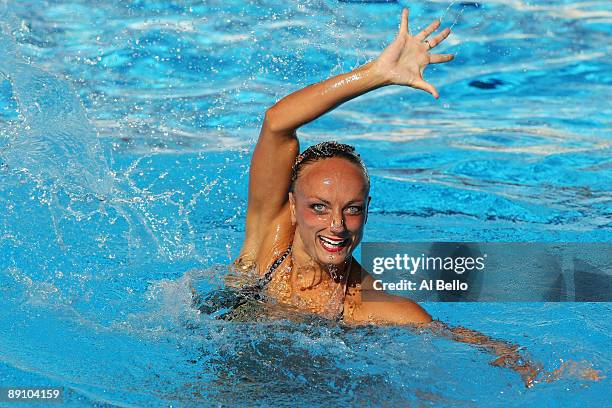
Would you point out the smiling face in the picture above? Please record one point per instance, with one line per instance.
(329, 205)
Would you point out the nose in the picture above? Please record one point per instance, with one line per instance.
(337, 224)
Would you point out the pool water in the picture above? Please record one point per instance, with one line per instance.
(126, 130)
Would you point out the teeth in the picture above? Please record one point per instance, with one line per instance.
(330, 242)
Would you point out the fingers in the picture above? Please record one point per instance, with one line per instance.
(427, 87)
(438, 38)
(439, 58)
(430, 29)
(404, 23)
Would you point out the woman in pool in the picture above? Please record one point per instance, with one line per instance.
(306, 213)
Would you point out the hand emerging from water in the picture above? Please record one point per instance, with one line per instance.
(405, 59)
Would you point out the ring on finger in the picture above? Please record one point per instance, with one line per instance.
(428, 44)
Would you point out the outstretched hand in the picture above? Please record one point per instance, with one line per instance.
(509, 357)
(405, 59)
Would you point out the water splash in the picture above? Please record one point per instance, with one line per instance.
(52, 141)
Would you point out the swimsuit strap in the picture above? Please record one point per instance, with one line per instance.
(268, 276)
(220, 299)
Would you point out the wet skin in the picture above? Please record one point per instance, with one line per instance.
(322, 207)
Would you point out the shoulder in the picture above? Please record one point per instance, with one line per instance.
(381, 307)
(391, 309)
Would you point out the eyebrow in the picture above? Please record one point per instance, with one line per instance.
(319, 199)
(354, 201)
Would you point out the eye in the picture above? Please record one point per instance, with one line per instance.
(354, 209)
(318, 207)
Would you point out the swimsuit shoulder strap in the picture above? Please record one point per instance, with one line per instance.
(268, 276)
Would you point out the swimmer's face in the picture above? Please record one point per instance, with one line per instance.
(329, 207)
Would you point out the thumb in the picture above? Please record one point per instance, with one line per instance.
(427, 87)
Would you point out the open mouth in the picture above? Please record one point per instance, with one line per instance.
(333, 244)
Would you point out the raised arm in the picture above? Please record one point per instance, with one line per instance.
(401, 63)
(278, 146)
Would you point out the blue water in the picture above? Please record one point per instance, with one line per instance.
(125, 135)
